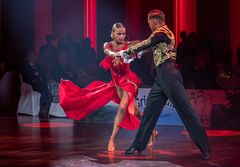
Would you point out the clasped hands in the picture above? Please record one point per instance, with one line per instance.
(126, 57)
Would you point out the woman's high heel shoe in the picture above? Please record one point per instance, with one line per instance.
(152, 138)
(111, 146)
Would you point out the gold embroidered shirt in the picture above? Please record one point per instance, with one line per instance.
(162, 43)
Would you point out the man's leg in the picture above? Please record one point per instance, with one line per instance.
(177, 95)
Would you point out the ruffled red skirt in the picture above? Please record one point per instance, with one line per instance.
(80, 102)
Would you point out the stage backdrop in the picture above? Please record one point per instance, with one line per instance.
(217, 109)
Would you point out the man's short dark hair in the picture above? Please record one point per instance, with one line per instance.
(156, 14)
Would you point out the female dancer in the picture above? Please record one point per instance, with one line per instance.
(78, 103)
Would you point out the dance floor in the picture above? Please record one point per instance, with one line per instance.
(27, 141)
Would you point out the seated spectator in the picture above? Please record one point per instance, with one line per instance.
(33, 74)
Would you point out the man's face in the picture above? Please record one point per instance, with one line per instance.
(151, 24)
(119, 34)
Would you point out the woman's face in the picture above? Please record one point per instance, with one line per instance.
(119, 34)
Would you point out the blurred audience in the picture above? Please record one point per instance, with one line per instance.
(47, 54)
(236, 67)
(88, 52)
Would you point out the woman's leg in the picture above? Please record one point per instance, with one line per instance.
(152, 139)
(137, 112)
(119, 117)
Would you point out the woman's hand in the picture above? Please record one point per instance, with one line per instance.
(116, 61)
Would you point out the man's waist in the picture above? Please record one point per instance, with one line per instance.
(169, 60)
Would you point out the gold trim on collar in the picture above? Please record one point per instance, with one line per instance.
(165, 30)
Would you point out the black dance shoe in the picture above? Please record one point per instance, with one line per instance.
(131, 150)
(206, 155)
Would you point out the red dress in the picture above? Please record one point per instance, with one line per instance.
(80, 102)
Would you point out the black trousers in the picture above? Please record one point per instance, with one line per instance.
(169, 84)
